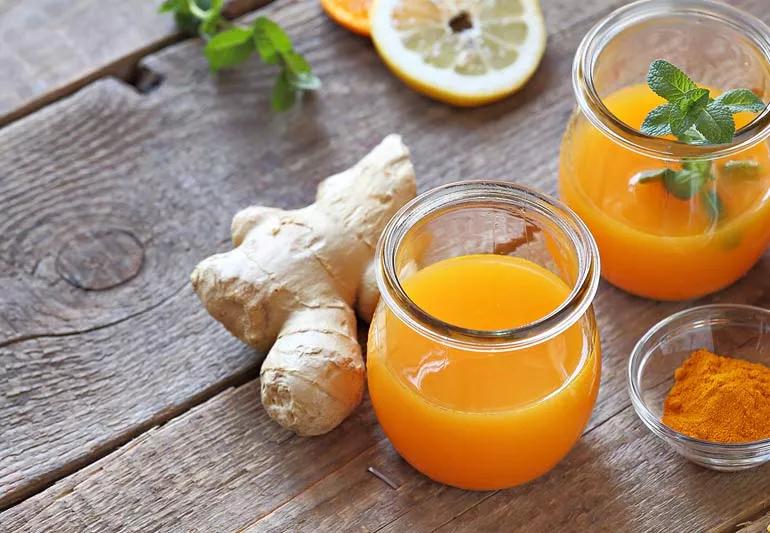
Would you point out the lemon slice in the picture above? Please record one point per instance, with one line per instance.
(464, 52)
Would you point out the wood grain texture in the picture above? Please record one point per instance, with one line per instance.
(51, 48)
(89, 369)
(85, 370)
(196, 473)
(757, 525)
(224, 466)
(618, 478)
(754, 518)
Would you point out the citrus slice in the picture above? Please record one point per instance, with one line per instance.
(465, 52)
(353, 14)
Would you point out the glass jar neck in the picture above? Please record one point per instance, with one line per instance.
(395, 260)
(621, 36)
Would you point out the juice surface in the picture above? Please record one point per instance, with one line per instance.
(482, 420)
(652, 243)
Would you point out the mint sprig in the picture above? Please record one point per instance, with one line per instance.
(196, 17)
(694, 118)
(229, 45)
(691, 114)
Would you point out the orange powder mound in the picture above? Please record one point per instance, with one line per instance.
(719, 399)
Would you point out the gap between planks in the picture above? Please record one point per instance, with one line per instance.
(255, 522)
(117, 444)
(125, 67)
(113, 445)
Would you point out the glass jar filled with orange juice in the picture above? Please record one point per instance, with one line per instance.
(484, 358)
(675, 216)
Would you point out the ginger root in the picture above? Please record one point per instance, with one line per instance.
(291, 282)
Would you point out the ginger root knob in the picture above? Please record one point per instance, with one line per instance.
(292, 280)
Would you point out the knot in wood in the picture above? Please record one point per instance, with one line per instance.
(96, 260)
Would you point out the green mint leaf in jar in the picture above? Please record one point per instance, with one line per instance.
(739, 100)
(658, 121)
(649, 158)
(715, 122)
(668, 81)
(685, 183)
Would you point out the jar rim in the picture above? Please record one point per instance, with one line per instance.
(601, 34)
(467, 194)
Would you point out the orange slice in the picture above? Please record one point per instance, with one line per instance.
(352, 14)
(464, 52)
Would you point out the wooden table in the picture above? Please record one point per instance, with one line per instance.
(125, 406)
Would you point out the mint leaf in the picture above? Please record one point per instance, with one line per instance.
(265, 47)
(234, 45)
(738, 100)
(669, 82)
(274, 47)
(658, 121)
(695, 118)
(213, 18)
(267, 31)
(171, 5)
(300, 74)
(691, 136)
(307, 81)
(184, 18)
(229, 48)
(713, 204)
(747, 169)
(200, 11)
(697, 96)
(715, 122)
(649, 176)
(295, 62)
(684, 114)
(684, 184)
(698, 165)
(271, 41)
(284, 95)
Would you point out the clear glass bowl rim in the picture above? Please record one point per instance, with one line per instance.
(640, 352)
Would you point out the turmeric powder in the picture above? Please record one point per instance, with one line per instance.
(719, 399)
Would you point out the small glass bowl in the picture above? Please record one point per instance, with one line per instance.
(740, 331)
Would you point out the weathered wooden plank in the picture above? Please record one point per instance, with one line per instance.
(53, 48)
(169, 168)
(199, 472)
(754, 518)
(618, 478)
(758, 525)
(71, 399)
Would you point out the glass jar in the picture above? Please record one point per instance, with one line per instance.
(484, 408)
(657, 241)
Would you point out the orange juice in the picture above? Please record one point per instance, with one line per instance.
(652, 243)
(480, 419)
